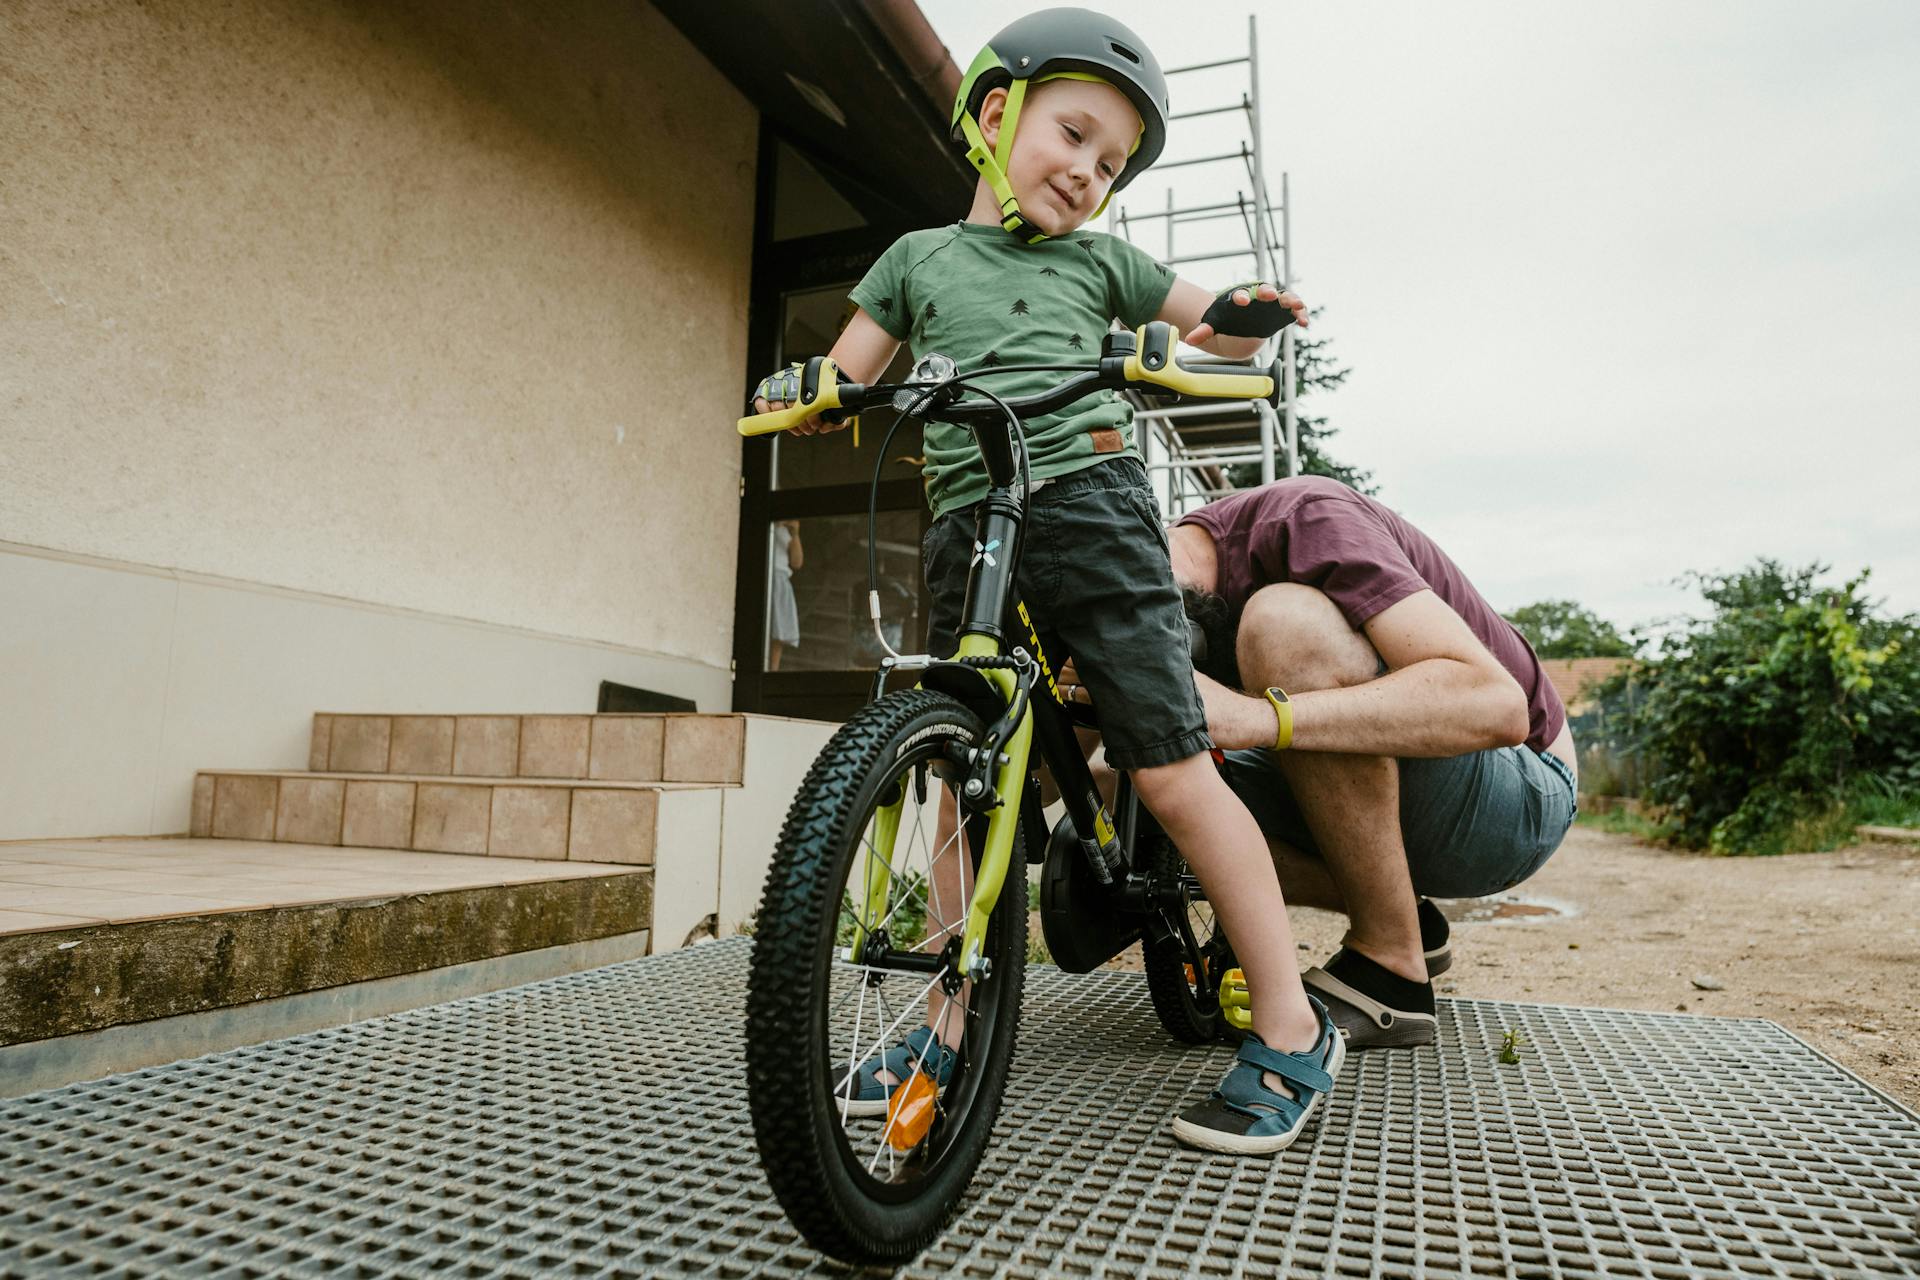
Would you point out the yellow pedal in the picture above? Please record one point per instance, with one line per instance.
(1236, 1002)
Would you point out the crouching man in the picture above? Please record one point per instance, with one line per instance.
(1395, 737)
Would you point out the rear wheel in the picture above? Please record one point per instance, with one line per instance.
(1184, 965)
(876, 1188)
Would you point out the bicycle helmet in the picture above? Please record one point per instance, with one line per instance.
(1076, 43)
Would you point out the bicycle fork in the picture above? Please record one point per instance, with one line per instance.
(995, 858)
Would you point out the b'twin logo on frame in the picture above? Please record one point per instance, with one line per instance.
(959, 731)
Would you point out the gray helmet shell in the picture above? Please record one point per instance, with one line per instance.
(1056, 40)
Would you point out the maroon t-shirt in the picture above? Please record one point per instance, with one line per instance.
(1321, 534)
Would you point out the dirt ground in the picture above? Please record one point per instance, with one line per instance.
(1825, 944)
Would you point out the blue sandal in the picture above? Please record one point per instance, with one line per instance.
(869, 1096)
(1243, 1117)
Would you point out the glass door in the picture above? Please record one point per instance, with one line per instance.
(804, 641)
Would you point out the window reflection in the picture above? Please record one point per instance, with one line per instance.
(817, 591)
(811, 323)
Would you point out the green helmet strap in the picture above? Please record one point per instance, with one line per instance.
(992, 163)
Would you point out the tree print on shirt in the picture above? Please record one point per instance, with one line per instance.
(931, 313)
(1048, 271)
(989, 360)
(1075, 341)
(1019, 307)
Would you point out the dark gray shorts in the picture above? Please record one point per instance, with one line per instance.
(1474, 825)
(1095, 576)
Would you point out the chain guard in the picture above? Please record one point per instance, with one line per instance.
(1084, 922)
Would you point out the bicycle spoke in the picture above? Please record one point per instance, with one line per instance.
(841, 1003)
(951, 845)
(953, 928)
(885, 1037)
(880, 997)
(853, 1063)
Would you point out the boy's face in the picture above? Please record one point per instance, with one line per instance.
(1069, 145)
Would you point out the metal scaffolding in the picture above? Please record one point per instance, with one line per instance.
(1190, 448)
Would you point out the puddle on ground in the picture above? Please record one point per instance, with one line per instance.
(1510, 907)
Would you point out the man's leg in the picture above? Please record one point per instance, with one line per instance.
(1304, 878)
(1295, 638)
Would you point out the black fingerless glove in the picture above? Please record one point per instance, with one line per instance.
(1255, 320)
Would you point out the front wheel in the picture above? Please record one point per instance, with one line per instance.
(860, 869)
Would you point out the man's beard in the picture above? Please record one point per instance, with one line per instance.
(1213, 630)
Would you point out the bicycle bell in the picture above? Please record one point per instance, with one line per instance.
(933, 368)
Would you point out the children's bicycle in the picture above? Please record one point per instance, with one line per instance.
(891, 942)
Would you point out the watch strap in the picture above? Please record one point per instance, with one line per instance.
(1283, 712)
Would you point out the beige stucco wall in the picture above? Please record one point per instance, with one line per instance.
(432, 306)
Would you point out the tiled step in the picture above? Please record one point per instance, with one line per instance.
(699, 798)
(602, 748)
(574, 819)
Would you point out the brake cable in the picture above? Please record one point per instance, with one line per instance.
(873, 516)
(879, 465)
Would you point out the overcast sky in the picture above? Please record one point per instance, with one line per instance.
(1627, 289)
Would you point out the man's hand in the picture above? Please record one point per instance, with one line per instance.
(1203, 332)
(1071, 690)
(1235, 721)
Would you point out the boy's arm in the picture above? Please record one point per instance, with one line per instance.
(1187, 304)
(863, 352)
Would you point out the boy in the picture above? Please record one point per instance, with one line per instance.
(1061, 109)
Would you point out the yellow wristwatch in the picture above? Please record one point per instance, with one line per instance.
(1283, 712)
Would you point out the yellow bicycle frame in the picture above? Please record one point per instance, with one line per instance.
(994, 859)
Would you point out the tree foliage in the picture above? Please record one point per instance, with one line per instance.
(1755, 723)
(1566, 629)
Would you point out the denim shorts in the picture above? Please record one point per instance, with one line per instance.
(1473, 825)
(1096, 579)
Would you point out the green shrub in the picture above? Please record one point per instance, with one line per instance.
(1620, 822)
(1754, 726)
(1884, 802)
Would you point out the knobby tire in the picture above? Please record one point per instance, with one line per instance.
(789, 1092)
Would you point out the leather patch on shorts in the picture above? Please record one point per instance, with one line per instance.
(1107, 440)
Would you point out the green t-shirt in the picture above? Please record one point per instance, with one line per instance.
(977, 295)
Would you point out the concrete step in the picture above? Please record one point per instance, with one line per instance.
(549, 818)
(102, 933)
(602, 748)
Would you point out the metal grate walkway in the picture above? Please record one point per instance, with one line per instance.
(593, 1125)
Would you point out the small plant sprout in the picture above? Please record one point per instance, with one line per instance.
(1510, 1047)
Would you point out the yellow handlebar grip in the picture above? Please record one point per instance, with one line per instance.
(819, 393)
(1152, 361)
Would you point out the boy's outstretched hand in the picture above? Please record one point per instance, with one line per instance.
(771, 397)
(1203, 332)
